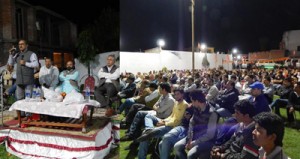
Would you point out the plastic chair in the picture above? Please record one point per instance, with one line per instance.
(90, 82)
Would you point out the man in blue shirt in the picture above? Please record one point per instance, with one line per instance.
(258, 99)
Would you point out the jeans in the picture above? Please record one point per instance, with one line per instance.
(150, 121)
(222, 112)
(126, 105)
(279, 103)
(143, 147)
(12, 90)
(135, 127)
(169, 139)
(202, 149)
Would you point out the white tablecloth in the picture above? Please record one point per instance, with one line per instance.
(60, 109)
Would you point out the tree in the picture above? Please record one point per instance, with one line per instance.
(86, 47)
(205, 62)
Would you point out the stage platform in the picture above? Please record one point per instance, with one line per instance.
(58, 142)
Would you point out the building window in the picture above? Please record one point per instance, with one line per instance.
(20, 23)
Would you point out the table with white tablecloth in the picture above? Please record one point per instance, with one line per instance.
(59, 109)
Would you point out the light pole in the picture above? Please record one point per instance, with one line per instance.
(193, 38)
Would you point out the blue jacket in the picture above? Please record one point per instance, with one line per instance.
(261, 103)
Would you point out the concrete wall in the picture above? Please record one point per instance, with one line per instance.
(144, 62)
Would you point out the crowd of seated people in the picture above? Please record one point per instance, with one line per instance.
(236, 96)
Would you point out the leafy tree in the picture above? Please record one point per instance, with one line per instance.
(86, 47)
(205, 62)
(101, 36)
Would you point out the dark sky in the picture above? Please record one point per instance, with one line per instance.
(81, 13)
(249, 25)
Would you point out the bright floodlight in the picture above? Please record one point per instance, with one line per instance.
(161, 43)
(239, 57)
(234, 51)
(203, 46)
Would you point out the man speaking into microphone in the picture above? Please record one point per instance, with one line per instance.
(26, 62)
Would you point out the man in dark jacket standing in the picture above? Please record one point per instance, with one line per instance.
(26, 62)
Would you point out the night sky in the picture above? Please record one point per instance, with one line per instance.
(249, 25)
(81, 13)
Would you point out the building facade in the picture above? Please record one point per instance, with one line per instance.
(48, 33)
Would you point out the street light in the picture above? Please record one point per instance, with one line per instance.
(161, 43)
(234, 50)
(203, 47)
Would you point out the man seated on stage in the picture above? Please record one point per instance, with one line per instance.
(69, 79)
(48, 75)
(109, 82)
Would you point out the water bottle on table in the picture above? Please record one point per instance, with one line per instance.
(33, 96)
(38, 94)
(87, 93)
(27, 94)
